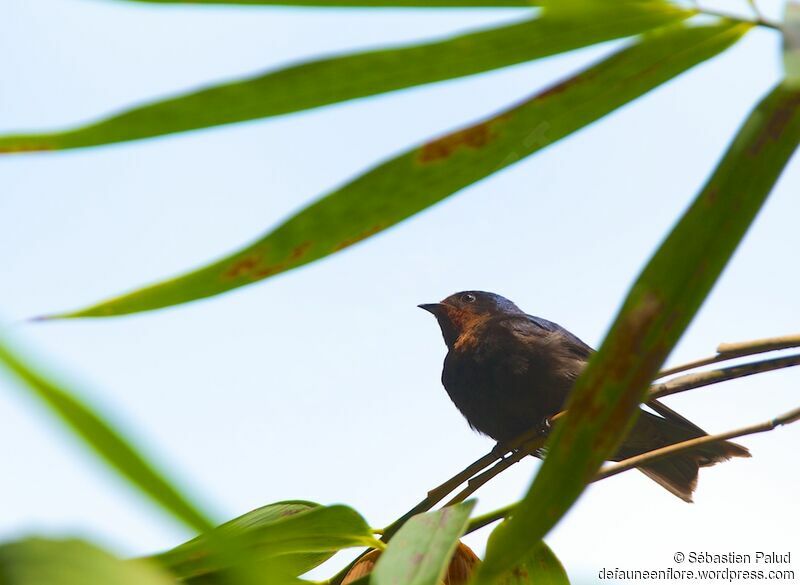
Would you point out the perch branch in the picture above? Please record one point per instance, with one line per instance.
(627, 464)
(729, 351)
(638, 460)
(700, 379)
(477, 481)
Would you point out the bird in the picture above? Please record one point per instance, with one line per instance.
(509, 372)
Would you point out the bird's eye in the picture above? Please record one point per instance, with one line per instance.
(468, 298)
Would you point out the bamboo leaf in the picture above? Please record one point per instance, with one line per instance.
(420, 552)
(71, 562)
(539, 567)
(107, 442)
(791, 43)
(275, 542)
(361, 3)
(423, 176)
(659, 307)
(327, 81)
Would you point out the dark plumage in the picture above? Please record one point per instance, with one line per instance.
(508, 372)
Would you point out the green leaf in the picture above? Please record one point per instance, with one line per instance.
(361, 3)
(199, 551)
(659, 307)
(71, 562)
(791, 43)
(327, 81)
(277, 541)
(539, 567)
(104, 440)
(423, 176)
(420, 552)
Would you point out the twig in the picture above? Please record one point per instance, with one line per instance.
(693, 381)
(439, 493)
(729, 351)
(476, 482)
(627, 464)
(638, 460)
(758, 21)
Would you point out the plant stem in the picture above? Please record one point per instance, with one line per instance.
(693, 381)
(633, 462)
(729, 351)
(638, 460)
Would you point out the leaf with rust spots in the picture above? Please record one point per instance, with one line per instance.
(420, 552)
(658, 309)
(475, 137)
(400, 187)
(243, 267)
(539, 567)
(282, 540)
(314, 84)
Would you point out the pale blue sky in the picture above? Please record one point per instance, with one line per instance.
(323, 383)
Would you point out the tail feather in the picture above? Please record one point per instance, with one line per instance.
(677, 473)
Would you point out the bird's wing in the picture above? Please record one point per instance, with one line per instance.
(576, 345)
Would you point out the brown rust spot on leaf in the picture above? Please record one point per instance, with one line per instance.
(473, 138)
(779, 119)
(243, 267)
(520, 573)
(267, 271)
(22, 148)
(300, 251)
(568, 83)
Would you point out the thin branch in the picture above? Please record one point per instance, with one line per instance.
(439, 493)
(742, 348)
(729, 351)
(758, 21)
(638, 460)
(627, 464)
(701, 379)
(476, 482)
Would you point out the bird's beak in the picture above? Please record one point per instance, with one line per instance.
(433, 308)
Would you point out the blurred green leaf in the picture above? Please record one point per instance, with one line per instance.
(104, 439)
(420, 552)
(71, 562)
(658, 309)
(539, 567)
(425, 175)
(327, 81)
(361, 3)
(276, 542)
(193, 558)
(791, 43)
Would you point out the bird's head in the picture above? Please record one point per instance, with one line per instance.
(464, 310)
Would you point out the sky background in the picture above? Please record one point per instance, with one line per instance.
(323, 383)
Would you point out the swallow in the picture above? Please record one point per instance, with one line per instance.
(509, 372)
